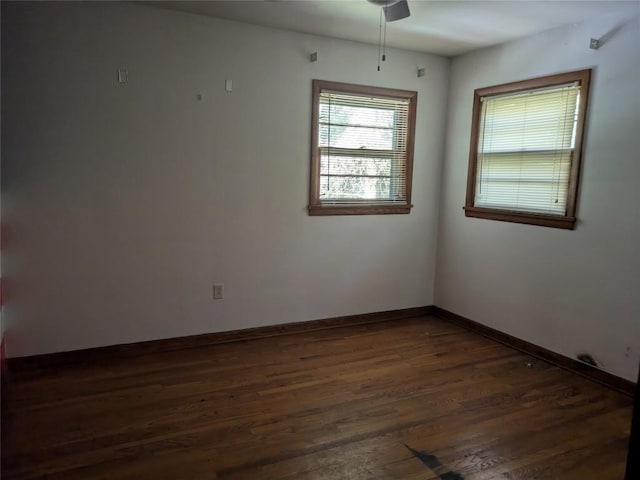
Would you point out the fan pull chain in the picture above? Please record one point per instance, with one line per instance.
(380, 39)
(382, 36)
(384, 40)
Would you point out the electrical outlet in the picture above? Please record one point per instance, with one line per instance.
(218, 291)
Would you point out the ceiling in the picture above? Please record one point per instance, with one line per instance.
(447, 28)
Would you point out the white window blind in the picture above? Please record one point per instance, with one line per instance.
(363, 148)
(525, 149)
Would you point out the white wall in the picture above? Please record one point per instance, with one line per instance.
(569, 291)
(123, 204)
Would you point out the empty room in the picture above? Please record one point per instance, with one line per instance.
(320, 239)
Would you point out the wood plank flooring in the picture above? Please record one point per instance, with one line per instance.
(415, 399)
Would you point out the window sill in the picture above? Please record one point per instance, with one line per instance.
(352, 209)
(553, 221)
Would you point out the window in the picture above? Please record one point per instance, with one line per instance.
(361, 149)
(525, 152)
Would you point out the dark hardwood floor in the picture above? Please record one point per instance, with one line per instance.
(415, 399)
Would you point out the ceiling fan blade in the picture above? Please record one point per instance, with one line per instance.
(397, 11)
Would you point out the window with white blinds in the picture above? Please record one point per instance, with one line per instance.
(362, 149)
(527, 149)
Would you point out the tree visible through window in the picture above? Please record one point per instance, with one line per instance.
(362, 149)
(525, 150)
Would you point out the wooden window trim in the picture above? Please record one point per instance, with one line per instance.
(316, 207)
(567, 221)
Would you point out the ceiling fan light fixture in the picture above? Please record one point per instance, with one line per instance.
(384, 3)
(393, 9)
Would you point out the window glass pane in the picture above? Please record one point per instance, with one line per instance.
(354, 188)
(336, 113)
(341, 165)
(535, 182)
(525, 150)
(362, 142)
(536, 121)
(355, 137)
